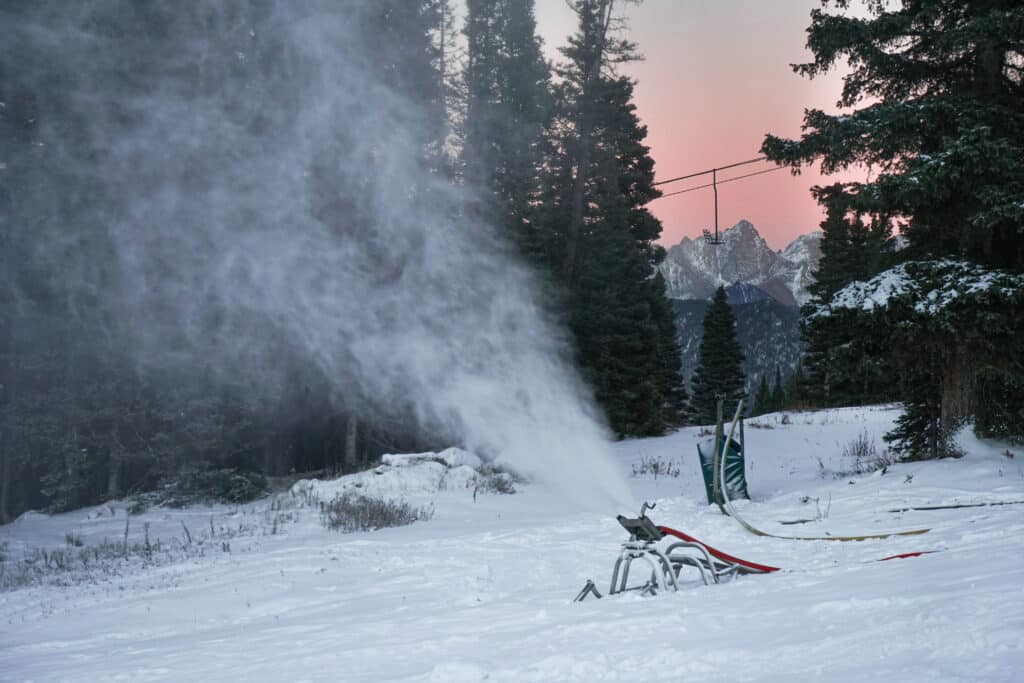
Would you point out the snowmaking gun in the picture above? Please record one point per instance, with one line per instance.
(665, 564)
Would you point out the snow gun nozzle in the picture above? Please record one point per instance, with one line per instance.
(640, 528)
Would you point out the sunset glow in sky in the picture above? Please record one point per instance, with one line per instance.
(716, 78)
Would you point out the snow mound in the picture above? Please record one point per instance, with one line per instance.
(452, 457)
(415, 476)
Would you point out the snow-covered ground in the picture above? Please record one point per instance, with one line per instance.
(482, 590)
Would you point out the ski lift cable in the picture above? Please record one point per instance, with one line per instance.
(720, 182)
(710, 170)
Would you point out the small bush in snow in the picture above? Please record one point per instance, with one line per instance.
(656, 466)
(863, 456)
(355, 512)
(492, 478)
(73, 565)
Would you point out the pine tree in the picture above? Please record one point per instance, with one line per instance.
(854, 246)
(406, 57)
(614, 299)
(941, 112)
(762, 398)
(508, 106)
(720, 371)
(796, 388)
(778, 395)
(84, 415)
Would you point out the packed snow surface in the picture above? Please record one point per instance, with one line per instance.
(482, 590)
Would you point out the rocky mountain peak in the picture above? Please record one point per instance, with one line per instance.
(693, 269)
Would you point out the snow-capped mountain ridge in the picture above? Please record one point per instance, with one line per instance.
(693, 269)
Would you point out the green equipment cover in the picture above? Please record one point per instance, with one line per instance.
(735, 477)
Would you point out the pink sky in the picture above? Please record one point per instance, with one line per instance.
(716, 78)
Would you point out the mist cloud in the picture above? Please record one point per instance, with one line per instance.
(252, 191)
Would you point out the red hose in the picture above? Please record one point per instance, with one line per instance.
(725, 557)
(902, 556)
(763, 568)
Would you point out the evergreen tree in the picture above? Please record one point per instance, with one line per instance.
(762, 398)
(854, 246)
(615, 301)
(778, 395)
(407, 57)
(720, 371)
(797, 396)
(86, 412)
(941, 113)
(507, 109)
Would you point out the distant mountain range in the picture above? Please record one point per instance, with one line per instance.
(764, 288)
(693, 269)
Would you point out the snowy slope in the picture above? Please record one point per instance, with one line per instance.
(482, 590)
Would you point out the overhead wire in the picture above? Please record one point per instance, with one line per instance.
(720, 182)
(710, 170)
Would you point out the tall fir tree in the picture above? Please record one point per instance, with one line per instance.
(797, 396)
(406, 56)
(84, 415)
(719, 373)
(938, 102)
(602, 249)
(854, 246)
(508, 106)
(777, 398)
(762, 399)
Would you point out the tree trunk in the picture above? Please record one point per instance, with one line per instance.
(113, 477)
(959, 382)
(5, 485)
(351, 433)
(988, 70)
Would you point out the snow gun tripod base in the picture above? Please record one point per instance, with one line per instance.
(665, 565)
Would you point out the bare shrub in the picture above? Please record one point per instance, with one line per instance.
(78, 562)
(355, 512)
(73, 566)
(863, 457)
(761, 425)
(651, 465)
(493, 478)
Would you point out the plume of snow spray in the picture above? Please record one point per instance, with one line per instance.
(263, 196)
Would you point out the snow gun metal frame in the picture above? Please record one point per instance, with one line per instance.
(665, 565)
